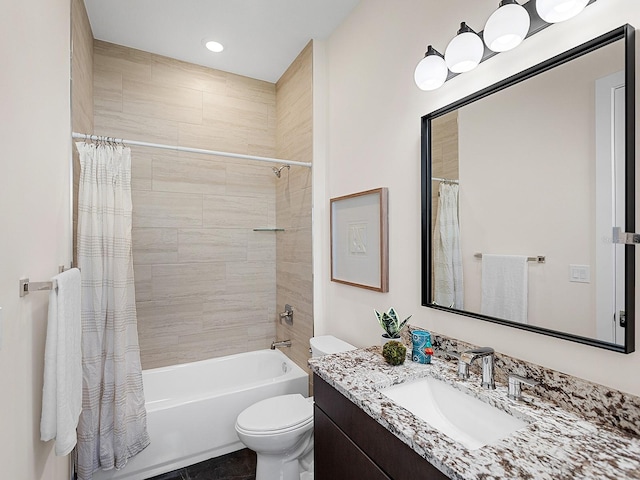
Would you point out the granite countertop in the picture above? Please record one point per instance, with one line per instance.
(557, 443)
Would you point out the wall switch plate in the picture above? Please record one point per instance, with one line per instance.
(580, 273)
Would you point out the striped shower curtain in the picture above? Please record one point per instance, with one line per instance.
(113, 422)
(447, 257)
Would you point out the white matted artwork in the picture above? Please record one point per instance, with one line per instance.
(359, 238)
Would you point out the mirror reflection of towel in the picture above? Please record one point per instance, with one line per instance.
(504, 287)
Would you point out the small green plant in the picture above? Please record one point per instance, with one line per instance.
(394, 352)
(390, 323)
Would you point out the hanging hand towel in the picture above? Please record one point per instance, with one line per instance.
(62, 390)
(504, 287)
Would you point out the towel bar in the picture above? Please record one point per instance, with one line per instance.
(26, 286)
(537, 258)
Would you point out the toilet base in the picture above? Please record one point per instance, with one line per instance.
(271, 467)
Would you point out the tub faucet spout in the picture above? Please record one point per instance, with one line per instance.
(282, 343)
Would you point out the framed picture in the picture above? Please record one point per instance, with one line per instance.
(359, 240)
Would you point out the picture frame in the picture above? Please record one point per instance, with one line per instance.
(359, 239)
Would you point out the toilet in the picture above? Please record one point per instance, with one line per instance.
(280, 429)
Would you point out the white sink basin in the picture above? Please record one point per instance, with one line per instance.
(458, 415)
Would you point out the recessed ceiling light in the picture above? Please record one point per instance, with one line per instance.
(216, 47)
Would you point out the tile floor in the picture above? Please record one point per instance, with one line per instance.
(240, 465)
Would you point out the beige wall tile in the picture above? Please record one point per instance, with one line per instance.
(229, 309)
(260, 336)
(161, 209)
(215, 343)
(189, 173)
(170, 72)
(156, 101)
(222, 211)
(212, 245)
(187, 282)
(261, 246)
(155, 245)
(235, 112)
(142, 277)
(250, 89)
(141, 168)
(294, 113)
(107, 87)
(134, 127)
(81, 93)
(168, 317)
(158, 350)
(248, 277)
(212, 136)
(132, 64)
(251, 180)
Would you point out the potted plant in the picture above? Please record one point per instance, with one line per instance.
(390, 324)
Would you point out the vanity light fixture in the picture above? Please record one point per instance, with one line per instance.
(432, 70)
(464, 51)
(554, 11)
(506, 27)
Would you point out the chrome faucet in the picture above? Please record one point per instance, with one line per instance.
(467, 358)
(282, 343)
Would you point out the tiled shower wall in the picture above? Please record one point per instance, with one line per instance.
(294, 93)
(205, 281)
(81, 90)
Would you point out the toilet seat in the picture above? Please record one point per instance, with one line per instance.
(281, 414)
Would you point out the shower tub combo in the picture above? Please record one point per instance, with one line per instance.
(192, 408)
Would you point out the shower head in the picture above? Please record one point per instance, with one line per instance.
(278, 171)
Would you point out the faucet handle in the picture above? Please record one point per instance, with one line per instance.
(515, 385)
(463, 368)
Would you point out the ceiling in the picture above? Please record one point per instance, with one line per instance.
(261, 37)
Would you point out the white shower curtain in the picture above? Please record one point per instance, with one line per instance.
(447, 257)
(113, 422)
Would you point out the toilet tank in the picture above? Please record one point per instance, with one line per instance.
(328, 344)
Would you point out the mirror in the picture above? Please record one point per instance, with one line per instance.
(522, 186)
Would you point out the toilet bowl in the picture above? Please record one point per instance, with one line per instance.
(280, 429)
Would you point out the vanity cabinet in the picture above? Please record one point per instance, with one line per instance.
(350, 444)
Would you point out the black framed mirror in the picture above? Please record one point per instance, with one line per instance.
(523, 186)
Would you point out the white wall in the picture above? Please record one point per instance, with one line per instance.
(374, 141)
(34, 213)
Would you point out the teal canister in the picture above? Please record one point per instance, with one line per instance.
(422, 350)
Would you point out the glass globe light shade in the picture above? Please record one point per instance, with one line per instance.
(554, 11)
(506, 27)
(464, 51)
(431, 72)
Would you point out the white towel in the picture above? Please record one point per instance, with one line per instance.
(62, 390)
(504, 287)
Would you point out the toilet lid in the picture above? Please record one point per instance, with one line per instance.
(276, 413)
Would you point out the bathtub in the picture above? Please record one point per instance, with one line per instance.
(192, 408)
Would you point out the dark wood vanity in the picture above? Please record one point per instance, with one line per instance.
(349, 444)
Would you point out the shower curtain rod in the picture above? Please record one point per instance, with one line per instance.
(189, 149)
